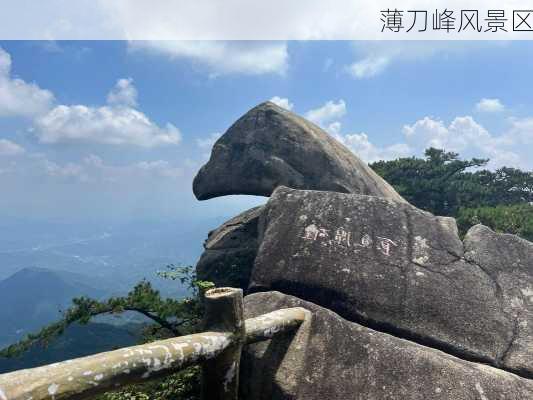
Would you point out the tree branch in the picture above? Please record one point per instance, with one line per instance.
(163, 322)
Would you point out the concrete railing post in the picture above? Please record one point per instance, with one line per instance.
(224, 313)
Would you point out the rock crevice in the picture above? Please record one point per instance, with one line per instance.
(330, 357)
(395, 280)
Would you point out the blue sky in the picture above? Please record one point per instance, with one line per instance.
(118, 129)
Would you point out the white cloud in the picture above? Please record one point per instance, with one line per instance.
(66, 171)
(462, 132)
(375, 57)
(116, 123)
(160, 168)
(490, 105)
(282, 102)
(124, 93)
(96, 169)
(92, 169)
(521, 131)
(334, 128)
(17, 97)
(360, 145)
(368, 67)
(223, 57)
(463, 135)
(9, 148)
(430, 132)
(467, 137)
(94, 186)
(327, 112)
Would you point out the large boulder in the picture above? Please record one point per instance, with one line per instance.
(270, 146)
(331, 358)
(395, 268)
(230, 251)
(508, 261)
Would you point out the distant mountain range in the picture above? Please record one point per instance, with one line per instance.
(33, 297)
(43, 265)
(115, 256)
(76, 341)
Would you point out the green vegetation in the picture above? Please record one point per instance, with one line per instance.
(183, 385)
(516, 219)
(443, 184)
(170, 318)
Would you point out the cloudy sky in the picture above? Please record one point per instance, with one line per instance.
(118, 129)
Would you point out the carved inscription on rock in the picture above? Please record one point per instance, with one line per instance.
(343, 238)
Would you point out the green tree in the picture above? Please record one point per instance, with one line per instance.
(431, 183)
(515, 219)
(505, 186)
(170, 318)
(441, 183)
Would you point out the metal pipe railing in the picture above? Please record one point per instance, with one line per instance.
(218, 350)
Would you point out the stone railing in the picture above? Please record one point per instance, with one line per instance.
(218, 350)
